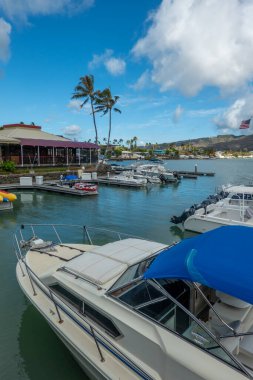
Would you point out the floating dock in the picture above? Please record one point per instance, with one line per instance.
(52, 186)
(192, 174)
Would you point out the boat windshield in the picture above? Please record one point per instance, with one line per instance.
(176, 314)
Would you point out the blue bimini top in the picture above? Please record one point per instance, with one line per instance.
(222, 259)
(70, 177)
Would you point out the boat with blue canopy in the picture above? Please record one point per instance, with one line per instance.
(136, 309)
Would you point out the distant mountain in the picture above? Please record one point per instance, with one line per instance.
(220, 142)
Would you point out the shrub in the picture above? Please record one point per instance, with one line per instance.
(8, 166)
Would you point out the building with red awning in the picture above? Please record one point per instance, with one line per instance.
(29, 145)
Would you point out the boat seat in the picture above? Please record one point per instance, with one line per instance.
(234, 312)
(246, 345)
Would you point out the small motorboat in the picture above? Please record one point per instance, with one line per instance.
(86, 187)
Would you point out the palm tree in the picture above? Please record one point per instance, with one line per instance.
(105, 103)
(85, 90)
(121, 141)
(134, 139)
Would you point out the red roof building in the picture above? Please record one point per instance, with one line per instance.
(29, 145)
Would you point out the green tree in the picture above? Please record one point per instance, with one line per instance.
(134, 140)
(85, 90)
(105, 103)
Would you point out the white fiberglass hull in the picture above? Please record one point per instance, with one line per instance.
(82, 346)
(202, 223)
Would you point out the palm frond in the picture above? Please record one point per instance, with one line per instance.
(117, 110)
(84, 102)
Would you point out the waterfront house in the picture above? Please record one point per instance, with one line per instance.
(29, 145)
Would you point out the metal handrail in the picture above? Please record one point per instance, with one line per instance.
(202, 325)
(86, 229)
(51, 295)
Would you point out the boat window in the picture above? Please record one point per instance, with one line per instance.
(132, 273)
(171, 316)
(87, 310)
(101, 320)
(178, 289)
(140, 294)
(68, 296)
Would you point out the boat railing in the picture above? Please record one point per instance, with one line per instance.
(62, 309)
(65, 233)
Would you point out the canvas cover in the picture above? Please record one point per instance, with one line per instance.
(221, 259)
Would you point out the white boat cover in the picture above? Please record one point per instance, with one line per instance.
(108, 261)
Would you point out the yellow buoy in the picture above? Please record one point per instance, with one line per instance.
(1, 198)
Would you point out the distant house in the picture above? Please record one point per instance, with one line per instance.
(29, 145)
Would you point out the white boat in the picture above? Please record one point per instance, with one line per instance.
(127, 178)
(235, 209)
(135, 309)
(149, 179)
(159, 171)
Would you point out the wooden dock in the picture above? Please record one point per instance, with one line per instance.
(51, 187)
(194, 173)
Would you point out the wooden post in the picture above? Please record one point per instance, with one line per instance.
(38, 156)
(67, 157)
(53, 157)
(22, 156)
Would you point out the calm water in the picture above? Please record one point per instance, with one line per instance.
(29, 349)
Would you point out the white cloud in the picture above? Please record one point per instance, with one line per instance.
(177, 114)
(98, 60)
(115, 66)
(240, 110)
(72, 130)
(75, 106)
(197, 43)
(205, 112)
(5, 31)
(21, 9)
(142, 81)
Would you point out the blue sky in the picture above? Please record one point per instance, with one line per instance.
(180, 73)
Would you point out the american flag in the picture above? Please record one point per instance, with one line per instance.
(245, 124)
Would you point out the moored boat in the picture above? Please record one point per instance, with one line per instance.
(86, 187)
(189, 309)
(158, 171)
(235, 209)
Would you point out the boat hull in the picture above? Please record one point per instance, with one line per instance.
(83, 347)
(201, 224)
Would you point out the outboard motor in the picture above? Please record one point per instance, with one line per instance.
(162, 178)
(176, 219)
